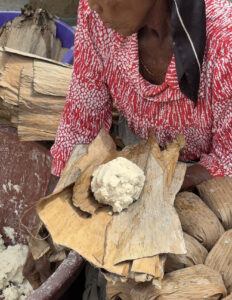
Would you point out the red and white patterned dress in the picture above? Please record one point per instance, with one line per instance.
(106, 70)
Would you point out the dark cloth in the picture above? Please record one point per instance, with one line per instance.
(95, 284)
(188, 21)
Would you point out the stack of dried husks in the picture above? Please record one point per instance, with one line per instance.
(142, 251)
(32, 93)
(205, 271)
(34, 31)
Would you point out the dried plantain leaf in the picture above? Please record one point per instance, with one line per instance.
(196, 254)
(197, 219)
(34, 31)
(220, 258)
(153, 266)
(217, 194)
(149, 224)
(101, 150)
(197, 282)
(138, 232)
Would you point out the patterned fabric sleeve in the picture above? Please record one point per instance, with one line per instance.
(219, 161)
(88, 104)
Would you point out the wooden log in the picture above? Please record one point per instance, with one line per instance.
(220, 258)
(198, 220)
(196, 254)
(217, 194)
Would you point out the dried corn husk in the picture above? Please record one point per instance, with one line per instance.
(198, 220)
(196, 254)
(220, 258)
(217, 194)
(197, 282)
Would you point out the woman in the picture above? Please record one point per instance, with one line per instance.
(165, 65)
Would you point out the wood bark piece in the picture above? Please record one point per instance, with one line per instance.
(197, 282)
(196, 254)
(197, 219)
(102, 241)
(217, 194)
(220, 258)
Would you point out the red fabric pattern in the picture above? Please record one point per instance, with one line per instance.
(106, 71)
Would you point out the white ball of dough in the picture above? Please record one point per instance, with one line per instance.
(117, 183)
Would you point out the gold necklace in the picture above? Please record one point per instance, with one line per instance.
(148, 70)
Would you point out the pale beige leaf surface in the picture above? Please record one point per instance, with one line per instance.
(51, 80)
(38, 116)
(217, 194)
(14, 52)
(32, 32)
(220, 258)
(100, 151)
(153, 266)
(193, 283)
(197, 219)
(72, 169)
(10, 79)
(75, 230)
(156, 228)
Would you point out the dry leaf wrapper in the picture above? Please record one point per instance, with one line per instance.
(198, 220)
(196, 254)
(220, 258)
(197, 282)
(217, 194)
(146, 229)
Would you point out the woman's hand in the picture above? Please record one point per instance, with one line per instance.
(194, 175)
